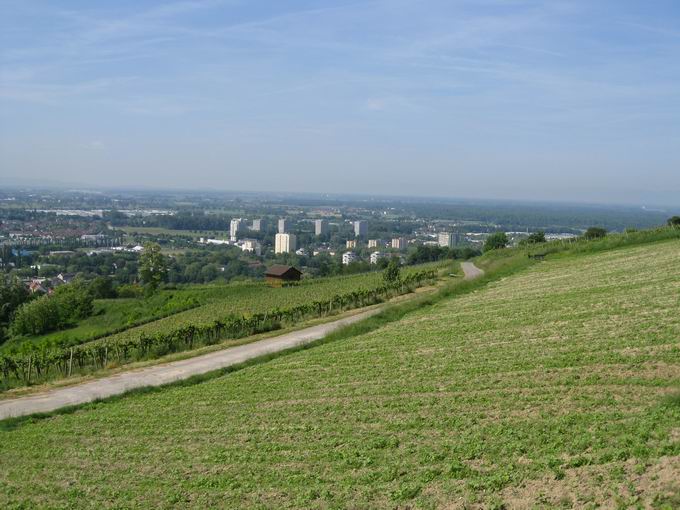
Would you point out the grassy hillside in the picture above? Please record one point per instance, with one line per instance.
(558, 386)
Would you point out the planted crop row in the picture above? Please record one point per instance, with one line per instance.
(45, 363)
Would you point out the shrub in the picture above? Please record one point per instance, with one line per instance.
(74, 301)
(496, 241)
(594, 233)
(130, 291)
(391, 274)
(36, 317)
(102, 288)
(53, 312)
(536, 237)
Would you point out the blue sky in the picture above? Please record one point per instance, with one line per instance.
(551, 100)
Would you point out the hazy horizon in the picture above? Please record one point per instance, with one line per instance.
(503, 100)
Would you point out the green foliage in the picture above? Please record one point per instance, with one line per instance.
(131, 290)
(423, 253)
(609, 242)
(75, 300)
(110, 316)
(37, 317)
(496, 241)
(392, 272)
(536, 237)
(594, 233)
(204, 326)
(523, 393)
(153, 267)
(101, 287)
(13, 294)
(63, 308)
(674, 221)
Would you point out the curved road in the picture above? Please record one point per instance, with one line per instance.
(159, 375)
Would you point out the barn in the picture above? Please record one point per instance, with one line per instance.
(279, 274)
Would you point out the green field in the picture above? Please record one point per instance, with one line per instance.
(557, 387)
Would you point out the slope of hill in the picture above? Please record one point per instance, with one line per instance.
(558, 386)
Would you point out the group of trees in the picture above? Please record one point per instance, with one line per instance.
(24, 314)
(64, 307)
(424, 253)
(13, 294)
(496, 241)
(594, 233)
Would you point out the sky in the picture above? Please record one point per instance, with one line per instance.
(573, 100)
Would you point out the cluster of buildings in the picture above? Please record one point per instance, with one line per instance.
(286, 242)
(47, 285)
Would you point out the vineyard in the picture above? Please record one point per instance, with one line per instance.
(245, 310)
(112, 316)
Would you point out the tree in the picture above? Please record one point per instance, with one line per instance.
(594, 233)
(536, 237)
(64, 307)
(496, 241)
(74, 301)
(36, 317)
(153, 267)
(392, 271)
(102, 288)
(674, 221)
(12, 295)
(129, 290)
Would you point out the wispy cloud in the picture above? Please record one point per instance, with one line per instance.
(490, 75)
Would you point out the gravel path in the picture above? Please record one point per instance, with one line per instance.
(158, 375)
(470, 270)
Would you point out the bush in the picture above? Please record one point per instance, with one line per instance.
(594, 233)
(37, 317)
(102, 288)
(75, 301)
(536, 237)
(130, 291)
(53, 312)
(392, 271)
(496, 241)
(674, 221)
